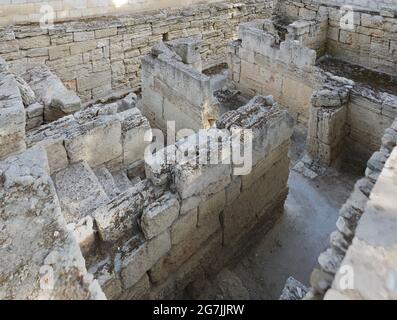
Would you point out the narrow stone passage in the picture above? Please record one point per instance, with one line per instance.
(293, 245)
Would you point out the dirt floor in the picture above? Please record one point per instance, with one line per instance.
(292, 247)
(378, 82)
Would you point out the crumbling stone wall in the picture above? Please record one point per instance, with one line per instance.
(28, 11)
(326, 130)
(185, 218)
(371, 257)
(144, 230)
(261, 64)
(348, 121)
(214, 208)
(99, 135)
(369, 43)
(174, 89)
(377, 5)
(12, 114)
(362, 242)
(103, 55)
(368, 115)
(39, 257)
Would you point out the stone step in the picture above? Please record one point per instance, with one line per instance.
(79, 191)
(107, 181)
(39, 258)
(122, 181)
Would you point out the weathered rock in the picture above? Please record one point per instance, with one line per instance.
(137, 262)
(49, 90)
(105, 131)
(330, 261)
(159, 216)
(27, 94)
(121, 214)
(12, 114)
(321, 281)
(135, 128)
(39, 258)
(79, 191)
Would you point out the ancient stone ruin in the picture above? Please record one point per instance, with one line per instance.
(210, 150)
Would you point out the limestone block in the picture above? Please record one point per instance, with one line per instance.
(241, 215)
(51, 137)
(338, 241)
(159, 216)
(209, 213)
(269, 125)
(192, 179)
(293, 290)
(138, 291)
(119, 215)
(326, 98)
(134, 127)
(34, 42)
(186, 254)
(59, 51)
(107, 277)
(264, 165)
(292, 52)
(327, 125)
(320, 280)
(34, 110)
(128, 102)
(330, 261)
(40, 258)
(50, 91)
(157, 168)
(97, 141)
(189, 203)
(184, 227)
(189, 50)
(27, 94)
(377, 161)
(79, 190)
(84, 233)
(136, 263)
(34, 122)
(12, 115)
(106, 179)
(94, 80)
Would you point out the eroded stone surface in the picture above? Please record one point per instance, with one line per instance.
(49, 89)
(40, 259)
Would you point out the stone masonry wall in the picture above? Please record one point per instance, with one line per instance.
(12, 114)
(371, 259)
(176, 91)
(95, 57)
(260, 64)
(348, 120)
(377, 5)
(39, 257)
(216, 207)
(362, 241)
(27, 11)
(186, 217)
(370, 42)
